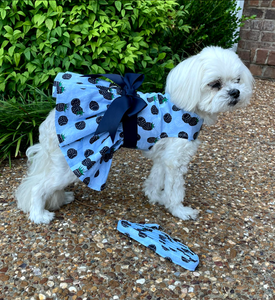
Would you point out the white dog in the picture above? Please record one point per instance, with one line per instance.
(206, 84)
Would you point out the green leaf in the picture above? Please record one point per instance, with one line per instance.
(44, 78)
(8, 29)
(59, 31)
(11, 50)
(161, 56)
(17, 59)
(53, 4)
(18, 146)
(49, 23)
(118, 5)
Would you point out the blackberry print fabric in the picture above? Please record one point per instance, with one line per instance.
(161, 243)
(81, 103)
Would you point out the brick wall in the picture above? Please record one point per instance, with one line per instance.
(257, 45)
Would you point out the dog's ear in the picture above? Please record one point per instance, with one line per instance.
(247, 78)
(183, 83)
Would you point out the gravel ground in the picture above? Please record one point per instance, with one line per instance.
(81, 255)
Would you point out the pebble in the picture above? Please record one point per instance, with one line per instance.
(63, 285)
(141, 281)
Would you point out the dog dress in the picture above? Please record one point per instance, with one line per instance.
(95, 117)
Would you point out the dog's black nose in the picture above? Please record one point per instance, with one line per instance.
(234, 93)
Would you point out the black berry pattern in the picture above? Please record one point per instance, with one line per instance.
(75, 102)
(80, 125)
(71, 153)
(152, 140)
(154, 110)
(162, 99)
(93, 80)
(87, 180)
(59, 88)
(151, 99)
(167, 118)
(88, 163)
(96, 173)
(148, 126)
(163, 135)
(175, 108)
(105, 92)
(186, 118)
(160, 243)
(195, 135)
(61, 138)
(67, 76)
(94, 105)
(106, 154)
(104, 150)
(79, 172)
(193, 121)
(93, 139)
(88, 153)
(62, 120)
(141, 121)
(76, 108)
(183, 135)
(61, 107)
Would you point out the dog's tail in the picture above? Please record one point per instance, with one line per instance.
(36, 172)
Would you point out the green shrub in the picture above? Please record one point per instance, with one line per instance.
(40, 38)
(211, 22)
(19, 121)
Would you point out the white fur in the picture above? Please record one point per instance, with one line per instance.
(188, 86)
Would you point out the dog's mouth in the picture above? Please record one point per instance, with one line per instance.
(233, 102)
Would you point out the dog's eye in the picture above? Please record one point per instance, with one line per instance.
(215, 85)
(238, 80)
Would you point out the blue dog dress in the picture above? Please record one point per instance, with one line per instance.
(83, 101)
(161, 243)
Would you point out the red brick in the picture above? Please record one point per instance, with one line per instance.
(248, 12)
(265, 3)
(271, 58)
(254, 35)
(244, 55)
(251, 45)
(268, 37)
(241, 44)
(273, 3)
(269, 25)
(261, 56)
(269, 72)
(270, 14)
(254, 2)
(256, 70)
(257, 24)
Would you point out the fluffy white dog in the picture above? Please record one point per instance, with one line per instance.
(206, 84)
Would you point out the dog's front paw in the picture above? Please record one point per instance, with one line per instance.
(183, 212)
(43, 218)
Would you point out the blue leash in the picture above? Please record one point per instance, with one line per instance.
(160, 242)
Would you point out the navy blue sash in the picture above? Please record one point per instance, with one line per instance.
(124, 108)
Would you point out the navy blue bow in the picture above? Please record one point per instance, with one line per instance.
(124, 108)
